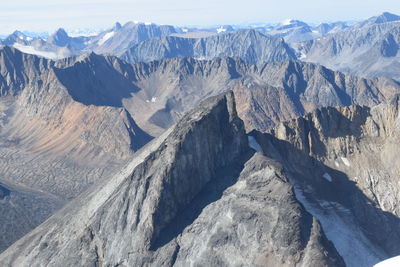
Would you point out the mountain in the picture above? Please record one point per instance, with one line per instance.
(158, 210)
(330, 28)
(50, 142)
(68, 124)
(114, 41)
(343, 166)
(385, 17)
(317, 190)
(16, 37)
(119, 39)
(294, 31)
(368, 51)
(249, 45)
(169, 88)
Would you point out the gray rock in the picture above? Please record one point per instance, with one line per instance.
(248, 45)
(195, 196)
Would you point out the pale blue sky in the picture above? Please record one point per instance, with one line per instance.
(48, 15)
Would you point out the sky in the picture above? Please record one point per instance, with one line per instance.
(48, 15)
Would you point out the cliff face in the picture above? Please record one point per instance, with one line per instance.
(249, 45)
(196, 195)
(68, 124)
(343, 165)
(51, 143)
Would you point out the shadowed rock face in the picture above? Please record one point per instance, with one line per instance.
(344, 167)
(157, 212)
(51, 143)
(70, 123)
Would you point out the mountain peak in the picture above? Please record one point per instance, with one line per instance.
(117, 26)
(60, 37)
(382, 18)
(61, 32)
(386, 17)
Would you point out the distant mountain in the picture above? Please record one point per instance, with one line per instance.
(249, 45)
(368, 51)
(330, 28)
(114, 41)
(117, 40)
(383, 18)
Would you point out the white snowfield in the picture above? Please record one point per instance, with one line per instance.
(392, 262)
(339, 226)
(31, 50)
(106, 37)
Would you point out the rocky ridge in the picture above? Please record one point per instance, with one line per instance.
(157, 211)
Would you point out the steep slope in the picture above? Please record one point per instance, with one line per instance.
(51, 143)
(249, 45)
(368, 51)
(157, 212)
(114, 41)
(343, 165)
(382, 18)
(67, 124)
(119, 39)
(170, 87)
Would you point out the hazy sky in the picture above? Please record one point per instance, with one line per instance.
(51, 14)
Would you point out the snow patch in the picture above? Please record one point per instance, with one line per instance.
(339, 226)
(221, 29)
(287, 22)
(345, 161)
(254, 144)
(392, 262)
(31, 50)
(327, 177)
(106, 37)
(337, 164)
(152, 100)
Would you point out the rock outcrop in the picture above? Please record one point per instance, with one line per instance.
(198, 195)
(249, 45)
(344, 167)
(71, 123)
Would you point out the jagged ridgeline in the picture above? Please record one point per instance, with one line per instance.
(71, 123)
(157, 211)
(313, 191)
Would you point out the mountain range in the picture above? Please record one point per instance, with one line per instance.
(156, 145)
